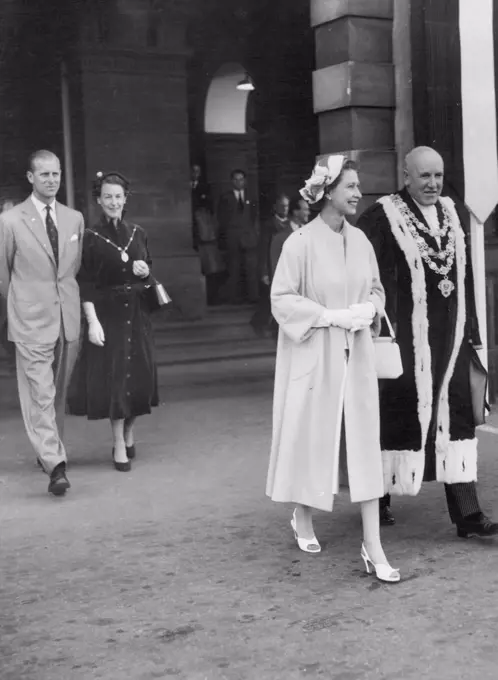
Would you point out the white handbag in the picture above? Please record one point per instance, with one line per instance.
(387, 355)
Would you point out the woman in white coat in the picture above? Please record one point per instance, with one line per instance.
(327, 298)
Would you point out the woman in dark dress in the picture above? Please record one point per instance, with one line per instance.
(116, 377)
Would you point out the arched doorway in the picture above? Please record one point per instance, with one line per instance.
(225, 142)
(229, 141)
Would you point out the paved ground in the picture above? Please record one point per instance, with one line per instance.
(183, 569)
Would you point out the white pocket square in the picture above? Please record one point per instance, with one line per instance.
(74, 237)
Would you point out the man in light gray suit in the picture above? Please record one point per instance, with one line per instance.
(40, 255)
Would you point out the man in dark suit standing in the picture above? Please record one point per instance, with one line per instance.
(237, 219)
(40, 255)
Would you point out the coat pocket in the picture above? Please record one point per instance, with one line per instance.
(304, 358)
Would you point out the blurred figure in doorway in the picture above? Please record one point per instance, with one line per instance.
(299, 212)
(205, 236)
(276, 224)
(200, 198)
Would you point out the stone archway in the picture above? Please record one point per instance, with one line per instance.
(226, 106)
(229, 141)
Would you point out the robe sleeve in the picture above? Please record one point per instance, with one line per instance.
(377, 295)
(472, 331)
(374, 224)
(297, 315)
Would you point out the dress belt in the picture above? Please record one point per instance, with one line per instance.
(122, 289)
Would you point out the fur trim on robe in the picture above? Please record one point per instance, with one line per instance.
(456, 461)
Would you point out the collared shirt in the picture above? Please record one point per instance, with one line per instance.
(42, 209)
(239, 195)
(294, 225)
(430, 215)
(282, 222)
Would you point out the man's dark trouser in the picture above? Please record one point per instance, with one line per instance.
(262, 317)
(461, 499)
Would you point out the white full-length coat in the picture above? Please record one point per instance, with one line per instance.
(314, 385)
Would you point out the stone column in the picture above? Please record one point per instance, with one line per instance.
(132, 117)
(354, 88)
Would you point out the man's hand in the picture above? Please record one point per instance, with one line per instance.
(266, 279)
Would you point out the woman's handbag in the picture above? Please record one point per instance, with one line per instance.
(387, 355)
(478, 379)
(155, 296)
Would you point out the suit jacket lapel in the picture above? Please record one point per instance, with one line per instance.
(63, 231)
(34, 222)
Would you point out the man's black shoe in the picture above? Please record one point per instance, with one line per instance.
(481, 526)
(386, 516)
(59, 483)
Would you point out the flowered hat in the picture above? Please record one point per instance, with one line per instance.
(325, 172)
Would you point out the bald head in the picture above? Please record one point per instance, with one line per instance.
(424, 175)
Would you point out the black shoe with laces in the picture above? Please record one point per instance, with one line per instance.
(386, 516)
(480, 526)
(59, 483)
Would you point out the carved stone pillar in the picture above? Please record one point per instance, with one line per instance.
(354, 88)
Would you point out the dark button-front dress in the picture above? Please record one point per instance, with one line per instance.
(118, 380)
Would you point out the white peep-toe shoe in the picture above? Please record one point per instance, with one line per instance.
(309, 545)
(384, 572)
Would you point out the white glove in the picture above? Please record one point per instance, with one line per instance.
(95, 330)
(342, 318)
(366, 310)
(363, 315)
(96, 334)
(140, 268)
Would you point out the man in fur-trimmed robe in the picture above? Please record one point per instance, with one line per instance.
(427, 424)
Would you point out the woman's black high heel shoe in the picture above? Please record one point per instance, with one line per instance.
(121, 467)
(131, 452)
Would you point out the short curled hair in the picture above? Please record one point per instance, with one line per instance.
(112, 177)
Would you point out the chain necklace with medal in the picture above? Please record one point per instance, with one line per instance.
(446, 256)
(124, 254)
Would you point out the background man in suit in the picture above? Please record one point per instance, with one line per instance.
(40, 254)
(238, 235)
(299, 213)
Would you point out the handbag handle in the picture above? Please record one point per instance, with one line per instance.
(390, 327)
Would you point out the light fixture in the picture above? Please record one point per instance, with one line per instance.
(246, 84)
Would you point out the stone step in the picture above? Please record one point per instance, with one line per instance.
(212, 350)
(200, 334)
(223, 334)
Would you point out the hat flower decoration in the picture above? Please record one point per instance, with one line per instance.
(323, 175)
